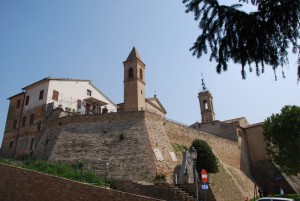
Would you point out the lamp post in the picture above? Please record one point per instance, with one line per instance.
(193, 154)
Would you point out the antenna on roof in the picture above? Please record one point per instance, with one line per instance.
(203, 84)
(155, 94)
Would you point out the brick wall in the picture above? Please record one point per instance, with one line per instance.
(10, 134)
(227, 150)
(162, 191)
(95, 139)
(35, 186)
(256, 143)
(220, 129)
(264, 171)
(230, 178)
(160, 140)
(22, 136)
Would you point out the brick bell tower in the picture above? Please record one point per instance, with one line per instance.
(134, 82)
(206, 105)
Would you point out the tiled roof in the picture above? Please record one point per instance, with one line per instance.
(50, 78)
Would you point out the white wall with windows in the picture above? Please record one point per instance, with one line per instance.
(35, 95)
(70, 95)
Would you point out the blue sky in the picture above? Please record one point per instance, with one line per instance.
(90, 39)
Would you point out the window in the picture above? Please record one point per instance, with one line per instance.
(23, 121)
(18, 103)
(130, 73)
(141, 73)
(27, 100)
(205, 104)
(32, 144)
(78, 104)
(11, 144)
(39, 126)
(88, 92)
(41, 95)
(55, 95)
(87, 108)
(31, 119)
(15, 124)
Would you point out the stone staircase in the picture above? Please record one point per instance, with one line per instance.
(181, 194)
(162, 191)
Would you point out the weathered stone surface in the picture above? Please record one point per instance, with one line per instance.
(126, 141)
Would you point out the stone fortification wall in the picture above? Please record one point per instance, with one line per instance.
(127, 142)
(221, 129)
(96, 140)
(230, 178)
(124, 140)
(118, 139)
(227, 150)
(35, 186)
(230, 184)
(160, 141)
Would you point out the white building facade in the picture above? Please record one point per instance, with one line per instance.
(72, 95)
(29, 110)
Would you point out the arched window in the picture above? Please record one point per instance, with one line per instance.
(130, 73)
(205, 104)
(141, 73)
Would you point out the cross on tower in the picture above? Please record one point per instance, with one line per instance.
(203, 84)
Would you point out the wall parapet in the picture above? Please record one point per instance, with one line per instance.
(131, 115)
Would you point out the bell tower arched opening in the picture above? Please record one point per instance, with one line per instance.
(130, 73)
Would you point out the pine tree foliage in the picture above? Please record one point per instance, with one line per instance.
(258, 38)
(282, 136)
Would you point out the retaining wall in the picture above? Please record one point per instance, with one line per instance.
(17, 184)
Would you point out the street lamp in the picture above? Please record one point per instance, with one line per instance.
(193, 153)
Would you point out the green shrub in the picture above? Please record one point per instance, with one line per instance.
(122, 136)
(206, 159)
(178, 148)
(160, 177)
(60, 169)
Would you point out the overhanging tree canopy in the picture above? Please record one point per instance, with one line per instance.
(282, 136)
(260, 38)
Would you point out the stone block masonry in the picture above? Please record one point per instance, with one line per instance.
(227, 150)
(17, 184)
(118, 139)
(126, 141)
